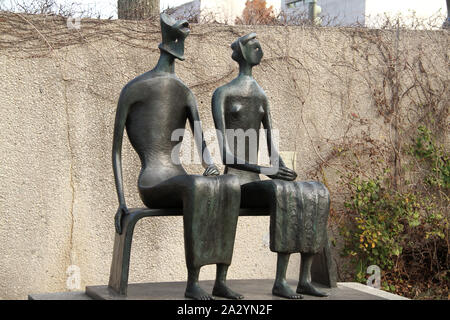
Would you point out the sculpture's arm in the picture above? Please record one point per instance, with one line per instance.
(267, 124)
(119, 126)
(228, 158)
(202, 148)
(284, 172)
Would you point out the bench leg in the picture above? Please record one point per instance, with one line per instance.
(120, 266)
(323, 269)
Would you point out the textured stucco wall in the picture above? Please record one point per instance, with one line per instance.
(58, 98)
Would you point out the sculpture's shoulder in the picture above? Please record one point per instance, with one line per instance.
(150, 83)
(134, 86)
(219, 97)
(243, 86)
(138, 81)
(258, 90)
(239, 88)
(222, 90)
(154, 79)
(229, 89)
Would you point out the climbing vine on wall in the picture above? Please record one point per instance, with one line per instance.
(395, 209)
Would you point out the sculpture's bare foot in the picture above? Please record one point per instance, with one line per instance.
(221, 290)
(194, 291)
(308, 288)
(282, 289)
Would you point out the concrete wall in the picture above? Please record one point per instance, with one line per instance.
(344, 13)
(373, 13)
(334, 12)
(58, 98)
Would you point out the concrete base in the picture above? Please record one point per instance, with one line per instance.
(251, 289)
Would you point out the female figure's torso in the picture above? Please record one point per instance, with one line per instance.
(244, 108)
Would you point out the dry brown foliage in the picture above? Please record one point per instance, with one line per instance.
(257, 12)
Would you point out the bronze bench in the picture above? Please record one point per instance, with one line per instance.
(322, 269)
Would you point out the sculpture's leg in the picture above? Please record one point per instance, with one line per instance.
(281, 287)
(264, 194)
(193, 289)
(211, 209)
(220, 287)
(316, 211)
(304, 285)
(210, 213)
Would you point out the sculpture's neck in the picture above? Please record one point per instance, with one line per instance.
(166, 63)
(245, 69)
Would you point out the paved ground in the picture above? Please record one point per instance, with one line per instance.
(251, 289)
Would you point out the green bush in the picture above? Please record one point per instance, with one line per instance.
(437, 160)
(404, 232)
(377, 223)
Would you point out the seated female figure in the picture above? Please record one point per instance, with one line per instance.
(298, 210)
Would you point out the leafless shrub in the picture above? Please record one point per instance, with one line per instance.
(410, 21)
(51, 7)
(301, 18)
(191, 12)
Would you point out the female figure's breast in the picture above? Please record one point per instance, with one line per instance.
(243, 113)
(243, 117)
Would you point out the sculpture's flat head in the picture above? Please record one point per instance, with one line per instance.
(173, 32)
(247, 48)
(173, 29)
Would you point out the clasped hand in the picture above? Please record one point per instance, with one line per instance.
(284, 173)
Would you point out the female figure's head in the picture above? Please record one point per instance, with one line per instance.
(247, 49)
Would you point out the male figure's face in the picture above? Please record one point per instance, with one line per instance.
(174, 30)
(173, 34)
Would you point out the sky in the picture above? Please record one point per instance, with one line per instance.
(171, 3)
(107, 8)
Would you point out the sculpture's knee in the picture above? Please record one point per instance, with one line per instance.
(317, 188)
(321, 190)
(232, 183)
(198, 185)
(322, 198)
(194, 182)
(321, 186)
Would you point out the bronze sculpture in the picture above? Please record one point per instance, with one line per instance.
(151, 107)
(298, 210)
